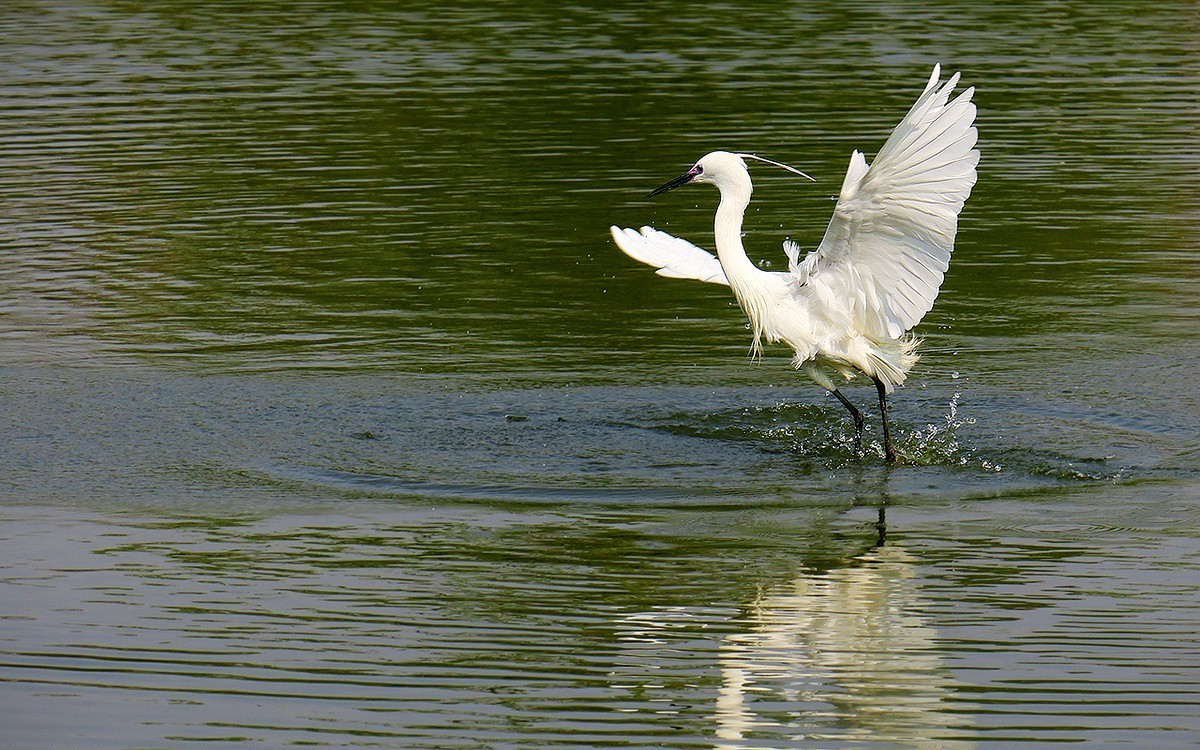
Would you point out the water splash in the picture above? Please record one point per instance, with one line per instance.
(938, 443)
(822, 433)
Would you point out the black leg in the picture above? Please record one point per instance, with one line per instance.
(889, 451)
(854, 412)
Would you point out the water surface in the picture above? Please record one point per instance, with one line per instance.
(332, 417)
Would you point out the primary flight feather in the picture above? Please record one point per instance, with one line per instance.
(847, 307)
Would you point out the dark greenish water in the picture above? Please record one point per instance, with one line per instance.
(330, 416)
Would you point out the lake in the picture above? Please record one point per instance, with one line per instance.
(332, 417)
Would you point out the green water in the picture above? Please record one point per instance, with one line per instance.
(330, 416)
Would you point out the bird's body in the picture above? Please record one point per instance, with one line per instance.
(846, 308)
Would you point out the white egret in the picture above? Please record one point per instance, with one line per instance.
(848, 307)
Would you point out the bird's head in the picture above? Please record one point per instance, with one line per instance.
(723, 169)
(718, 168)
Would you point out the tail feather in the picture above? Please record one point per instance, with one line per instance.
(893, 363)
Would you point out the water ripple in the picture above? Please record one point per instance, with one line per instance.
(331, 416)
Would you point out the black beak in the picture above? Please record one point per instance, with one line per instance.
(682, 179)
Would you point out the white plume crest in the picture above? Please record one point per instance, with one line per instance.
(780, 164)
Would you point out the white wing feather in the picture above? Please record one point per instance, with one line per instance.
(674, 258)
(799, 271)
(889, 242)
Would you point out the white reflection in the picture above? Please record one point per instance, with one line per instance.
(841, 655)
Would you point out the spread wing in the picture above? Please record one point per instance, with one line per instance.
(673, 257)
(889, 242)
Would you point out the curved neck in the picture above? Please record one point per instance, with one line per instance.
(727, 231)
(744, 277)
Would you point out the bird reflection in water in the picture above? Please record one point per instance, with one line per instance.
(842, 655)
